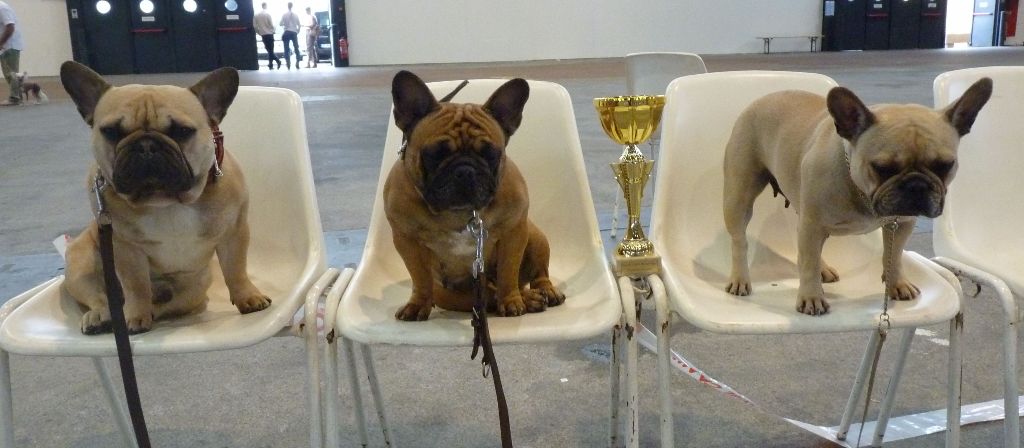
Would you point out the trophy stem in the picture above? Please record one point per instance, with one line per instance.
(635, 253)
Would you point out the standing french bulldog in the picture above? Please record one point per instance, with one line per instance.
(155, 147)
(846, 169)
(453, 163)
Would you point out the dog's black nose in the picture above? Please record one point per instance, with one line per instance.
(916, 186)
(145, 147)
(464, 173)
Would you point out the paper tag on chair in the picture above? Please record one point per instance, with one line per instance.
(298, 320)
(61, 244)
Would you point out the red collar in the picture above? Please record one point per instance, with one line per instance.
(218, 140)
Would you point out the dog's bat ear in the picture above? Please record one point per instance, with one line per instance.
(412, 99)
(964, 111)
(85, 87)
(217, 91)
(851, 116)
(506, 104)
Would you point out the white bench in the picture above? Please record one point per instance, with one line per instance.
(768, 41)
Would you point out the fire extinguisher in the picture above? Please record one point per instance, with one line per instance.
(343, 47)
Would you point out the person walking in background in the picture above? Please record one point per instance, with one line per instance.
(10, 52)
(264, 26)
(312, 26)
(290, 22)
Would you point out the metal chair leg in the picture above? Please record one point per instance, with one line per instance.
(371, 376)
(664, 329)
(615, 383)
(953, 401)
(6, 403)
(356, 390)
(631, 311)
(117, 406)
(330, 398)
(858, 385)
(885, 409)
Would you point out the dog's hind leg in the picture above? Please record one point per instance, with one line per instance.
(181, 294)
(83, 281)
(537, 289)
(745, 177)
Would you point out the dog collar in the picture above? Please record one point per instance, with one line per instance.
(218, 141)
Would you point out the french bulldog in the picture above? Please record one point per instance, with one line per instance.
(170, 211)
(846, 169)
(453, 163)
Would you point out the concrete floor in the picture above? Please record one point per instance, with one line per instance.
(557, 392)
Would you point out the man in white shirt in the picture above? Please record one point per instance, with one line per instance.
(264, 26)
(312, 26)
(10, 52)
(290, 22)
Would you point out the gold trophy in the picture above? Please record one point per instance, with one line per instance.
(630, 120)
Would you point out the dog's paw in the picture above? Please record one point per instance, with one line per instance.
(538, 299)
(738, 287)
(139, 324)
(96, 322)
(812, 306)
(903, 290)
(251, 303)
(513, 305)
(829, 274)
(413, 312)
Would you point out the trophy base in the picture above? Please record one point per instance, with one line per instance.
(636, 266)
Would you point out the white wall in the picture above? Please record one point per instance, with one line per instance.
(418, 31)
(44, 28)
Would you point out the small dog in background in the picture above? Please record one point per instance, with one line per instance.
(30, 89)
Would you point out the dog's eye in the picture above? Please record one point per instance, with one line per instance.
(436, 153)
(492, 155)
(112, 133)
(942, 168)
(885, 171)
(179, 132)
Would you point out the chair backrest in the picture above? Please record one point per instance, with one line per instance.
(687, 219)
(651, 73)
(984, 201)
(265, 129)
(547, 150)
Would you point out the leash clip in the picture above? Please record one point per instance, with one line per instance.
(475, 226)
(99, 184)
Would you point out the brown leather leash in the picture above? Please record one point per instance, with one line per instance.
(115, 302)
(481, 331)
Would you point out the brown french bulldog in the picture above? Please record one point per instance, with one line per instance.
(154, 145)
(454, 163)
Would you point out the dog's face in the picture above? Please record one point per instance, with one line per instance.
(455, 152)
(904, 156)
(20, 76)
(153, 143)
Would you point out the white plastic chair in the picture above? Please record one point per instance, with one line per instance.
(546, 149)
(265, 130)
(688, 230)
(979, 239)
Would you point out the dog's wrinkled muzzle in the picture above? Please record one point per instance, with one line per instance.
(913, 194)
(461, 185)
(151, 163)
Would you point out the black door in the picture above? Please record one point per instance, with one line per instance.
(984, 28)
(235, 34)
(905, 25)
(79, 45)
(842, 25)
(339, 31)
(876, 28)
(933, 24)
(151, 30)
(108, 36)
(195, 36)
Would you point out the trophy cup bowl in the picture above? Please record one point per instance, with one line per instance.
(630, 120)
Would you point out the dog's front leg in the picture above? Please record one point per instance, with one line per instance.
(132, 266)
(892, 259)
(509, 252)
(811, 239)
(232, 252)
(417, 260)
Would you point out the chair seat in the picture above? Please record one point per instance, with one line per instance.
(698, 293)
(49, 324)
(367, 312)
